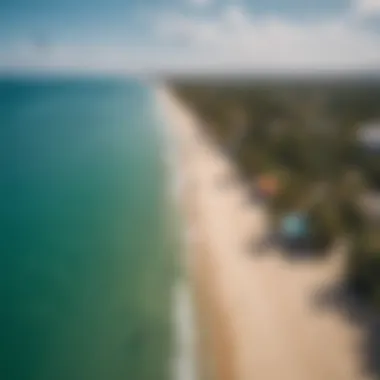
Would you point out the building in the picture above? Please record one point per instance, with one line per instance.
(369, 135)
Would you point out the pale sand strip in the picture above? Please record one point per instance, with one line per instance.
(214, 338)
(259, 311)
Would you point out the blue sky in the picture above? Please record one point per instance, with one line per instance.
(191, 35)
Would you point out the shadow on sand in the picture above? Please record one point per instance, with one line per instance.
(343, 299)
(349, 301)
(293, 251)
(351, 304)
(338, 297)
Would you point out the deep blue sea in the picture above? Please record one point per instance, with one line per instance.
(87, 242)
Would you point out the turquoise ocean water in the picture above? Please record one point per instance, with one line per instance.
(87, 242)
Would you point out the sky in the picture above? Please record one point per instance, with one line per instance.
(189, 35)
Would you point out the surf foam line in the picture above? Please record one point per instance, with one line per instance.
(183, 365)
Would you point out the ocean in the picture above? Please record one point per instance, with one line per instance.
(89, 232)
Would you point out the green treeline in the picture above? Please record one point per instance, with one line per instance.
(305, 134)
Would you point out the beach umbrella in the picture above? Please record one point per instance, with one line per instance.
(294, 225)
(268, 185)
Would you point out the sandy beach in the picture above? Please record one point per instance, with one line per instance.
(260, 312)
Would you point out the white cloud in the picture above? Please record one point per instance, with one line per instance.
(233, 40)
(237, 40)
(366, 8)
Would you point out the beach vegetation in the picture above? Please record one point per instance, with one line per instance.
(320, 140)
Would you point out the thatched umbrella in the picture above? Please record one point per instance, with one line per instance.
(268, 185)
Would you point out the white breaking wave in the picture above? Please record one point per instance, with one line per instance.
(184, 365)
(184, 359)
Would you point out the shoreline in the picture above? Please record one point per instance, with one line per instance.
(212, 349)
(182, 363)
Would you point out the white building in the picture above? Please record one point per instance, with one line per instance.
(369, 134)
